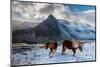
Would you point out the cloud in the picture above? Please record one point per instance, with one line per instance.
(45, 8)
(40, 11)
(24, 9)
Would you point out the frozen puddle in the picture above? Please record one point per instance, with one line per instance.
(40, 56)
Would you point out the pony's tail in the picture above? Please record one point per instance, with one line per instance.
(56, 44)
(46, 46)
(80, 48)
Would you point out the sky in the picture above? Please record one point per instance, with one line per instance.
(32, 11)
(78, 8)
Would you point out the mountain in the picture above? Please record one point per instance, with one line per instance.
(20, 25)
(55, 29)
(48, 28)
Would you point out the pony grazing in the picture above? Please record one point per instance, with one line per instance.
(71, 44)
(52, 46)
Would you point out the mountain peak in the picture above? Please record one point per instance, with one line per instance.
(51, 17)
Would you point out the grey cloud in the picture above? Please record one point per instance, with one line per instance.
(23, 9)
(32, 10)
(49, 9)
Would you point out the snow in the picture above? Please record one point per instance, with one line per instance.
(67, 28)
(40, 55)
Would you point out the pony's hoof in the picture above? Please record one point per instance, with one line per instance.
(63, 54)
(50, 56)
(74, 55)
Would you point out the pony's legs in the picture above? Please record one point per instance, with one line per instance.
(53, 51)
(63, 51)
(50, 52)
(74, 51)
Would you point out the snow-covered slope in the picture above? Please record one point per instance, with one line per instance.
(40, 56)
(76, 30)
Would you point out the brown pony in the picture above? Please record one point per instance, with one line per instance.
(71, 44)
(52, 46)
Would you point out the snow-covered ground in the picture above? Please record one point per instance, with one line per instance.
(40, 56)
